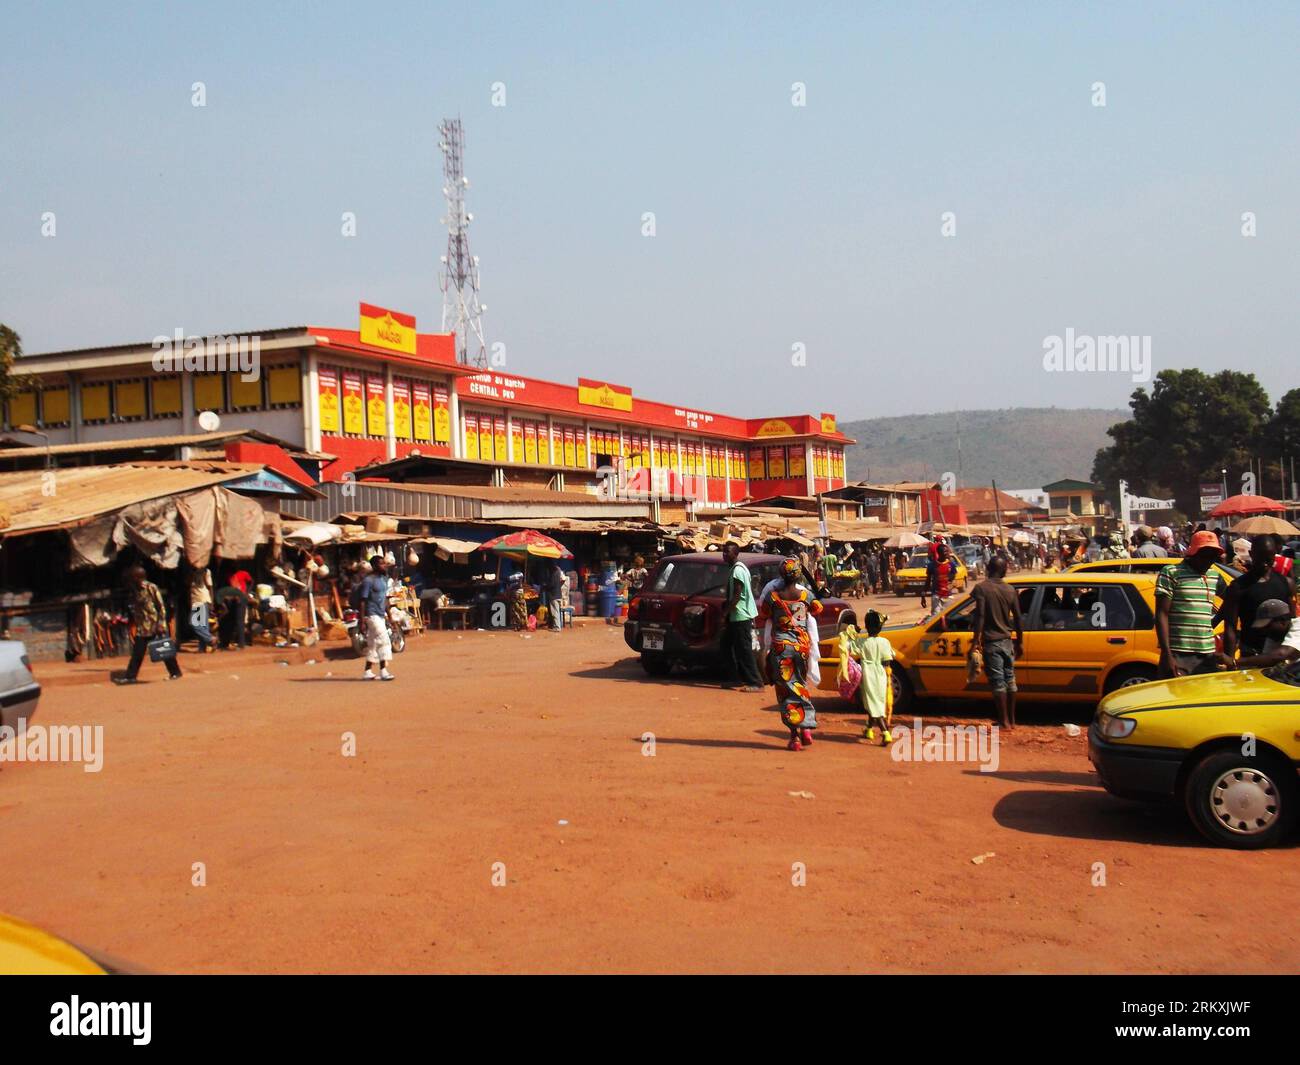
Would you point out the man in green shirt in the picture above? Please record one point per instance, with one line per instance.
(738, 613)
(1185, 611)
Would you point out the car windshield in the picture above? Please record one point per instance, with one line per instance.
(762, 573)
(918, 561)
(1286, 673)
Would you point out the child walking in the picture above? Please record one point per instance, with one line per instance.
(875, 653)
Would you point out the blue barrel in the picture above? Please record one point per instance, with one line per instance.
(608, 600)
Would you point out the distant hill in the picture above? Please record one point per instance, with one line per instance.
(1022, 447)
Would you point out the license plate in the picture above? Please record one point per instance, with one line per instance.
(652, 641)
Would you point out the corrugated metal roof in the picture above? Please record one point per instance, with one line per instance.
(429, 501)
(38, 500)
(142, 442)
(489, 493)
(147, 345)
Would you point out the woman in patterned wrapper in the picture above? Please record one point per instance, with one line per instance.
(789, 608)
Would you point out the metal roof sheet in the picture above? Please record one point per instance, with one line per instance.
(40, 500)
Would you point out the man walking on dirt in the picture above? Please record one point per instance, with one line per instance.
(999, 636)
(371, 598)
(941, 572)
(739, 612)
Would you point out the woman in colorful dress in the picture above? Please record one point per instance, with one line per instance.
(789, 608)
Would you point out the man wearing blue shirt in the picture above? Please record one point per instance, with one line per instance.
(371, 598)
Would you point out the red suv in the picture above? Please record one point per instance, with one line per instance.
(677, 615)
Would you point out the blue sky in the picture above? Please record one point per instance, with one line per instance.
(775, 225)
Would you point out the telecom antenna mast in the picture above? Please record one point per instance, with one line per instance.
(462, 312)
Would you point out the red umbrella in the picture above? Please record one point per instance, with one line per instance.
(1247, 505)
(527, 542)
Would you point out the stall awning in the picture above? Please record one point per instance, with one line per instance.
(448, 547)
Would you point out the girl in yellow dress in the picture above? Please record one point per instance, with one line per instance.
(875, 653)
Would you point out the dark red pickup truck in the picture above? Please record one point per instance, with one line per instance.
(677, 615)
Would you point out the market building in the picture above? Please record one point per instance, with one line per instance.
(355, 400)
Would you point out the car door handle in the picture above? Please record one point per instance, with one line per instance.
(1116, 639)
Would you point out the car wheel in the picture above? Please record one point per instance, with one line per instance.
(903, 694)
(1239, 801)
(656, 665)
(1127, 676)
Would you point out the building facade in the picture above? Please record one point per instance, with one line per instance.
(381, 393)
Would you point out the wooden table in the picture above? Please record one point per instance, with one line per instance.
(442, 612)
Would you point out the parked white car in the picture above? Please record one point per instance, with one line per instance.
(19, 691)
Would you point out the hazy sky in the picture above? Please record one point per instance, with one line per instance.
(775, 225)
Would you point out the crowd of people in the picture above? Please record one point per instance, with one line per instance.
(1257, 609)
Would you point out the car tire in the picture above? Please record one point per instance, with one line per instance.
(656, 665)
(1127, 676)
(903, 693)
(1239, 801)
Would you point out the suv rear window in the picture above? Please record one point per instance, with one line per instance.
(692, 578)
(688, 578)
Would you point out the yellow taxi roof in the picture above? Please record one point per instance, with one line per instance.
(1081, 577)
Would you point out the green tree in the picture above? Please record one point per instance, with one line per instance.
(11, 349)
(1190, 426)
(1282, 442)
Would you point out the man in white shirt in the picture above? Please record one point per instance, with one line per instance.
(1281, 635)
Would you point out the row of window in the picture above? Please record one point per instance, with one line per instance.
(137, 399)
(489, 437)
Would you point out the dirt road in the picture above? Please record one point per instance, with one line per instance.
(496, 748)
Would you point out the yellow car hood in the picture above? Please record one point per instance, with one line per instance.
(27, 950)
(1232, 686)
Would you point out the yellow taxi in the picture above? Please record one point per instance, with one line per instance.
(911, 577)
(1147, 565)
(1085, 634)
(26, 950)
(1226, 745)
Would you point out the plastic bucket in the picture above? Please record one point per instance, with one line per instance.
(608, 601)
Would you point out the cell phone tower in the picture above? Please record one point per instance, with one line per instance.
(462, 311)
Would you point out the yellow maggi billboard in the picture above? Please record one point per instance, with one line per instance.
(383, 328)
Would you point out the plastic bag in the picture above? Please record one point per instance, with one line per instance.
(849, 675)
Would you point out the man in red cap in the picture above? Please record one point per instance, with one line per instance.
(1185, 610)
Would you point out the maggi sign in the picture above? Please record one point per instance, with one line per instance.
(600, 394)
(383, 328)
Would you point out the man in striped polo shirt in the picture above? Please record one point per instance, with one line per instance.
(1185, 610)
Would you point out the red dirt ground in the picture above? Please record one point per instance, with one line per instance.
(680, 862)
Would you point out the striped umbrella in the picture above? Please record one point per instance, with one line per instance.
(527, 543)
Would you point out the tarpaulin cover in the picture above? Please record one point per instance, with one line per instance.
(198, 511)
(238, 526)
(92, 544)
(152, 529)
